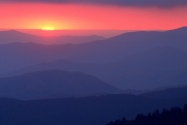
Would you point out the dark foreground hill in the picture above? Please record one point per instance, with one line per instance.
(174, 116)
(93, 110)
(53, 84)
(97, 110)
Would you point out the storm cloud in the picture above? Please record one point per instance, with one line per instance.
(141, 3)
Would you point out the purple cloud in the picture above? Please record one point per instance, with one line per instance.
(142, 3)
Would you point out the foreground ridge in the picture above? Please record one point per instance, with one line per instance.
(174, 116)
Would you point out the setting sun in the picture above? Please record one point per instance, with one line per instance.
(48, 28)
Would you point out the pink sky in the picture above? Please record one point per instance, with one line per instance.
(70, 16)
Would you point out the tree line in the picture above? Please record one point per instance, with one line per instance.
(174, 116)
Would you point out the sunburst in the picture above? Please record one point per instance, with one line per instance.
(48, 28)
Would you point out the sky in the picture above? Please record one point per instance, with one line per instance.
(93, 14)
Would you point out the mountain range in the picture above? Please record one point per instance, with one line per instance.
(14, 36)
(157, 68)
(86, 83)
(53, 84)
(136, 60)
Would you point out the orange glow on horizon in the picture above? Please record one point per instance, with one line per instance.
(48, 28)
(69, 16)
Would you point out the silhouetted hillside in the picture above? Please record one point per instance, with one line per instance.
(13, 36)
(53, 84)
(96, 110)
(174, 116)
(171, 93)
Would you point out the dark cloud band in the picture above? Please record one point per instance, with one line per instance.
(157, 3)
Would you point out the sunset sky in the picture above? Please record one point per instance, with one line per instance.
(93, 14)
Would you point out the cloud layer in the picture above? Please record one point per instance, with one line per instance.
(142, 3)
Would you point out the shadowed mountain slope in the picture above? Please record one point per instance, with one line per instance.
(53, 84)
(156, 68)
